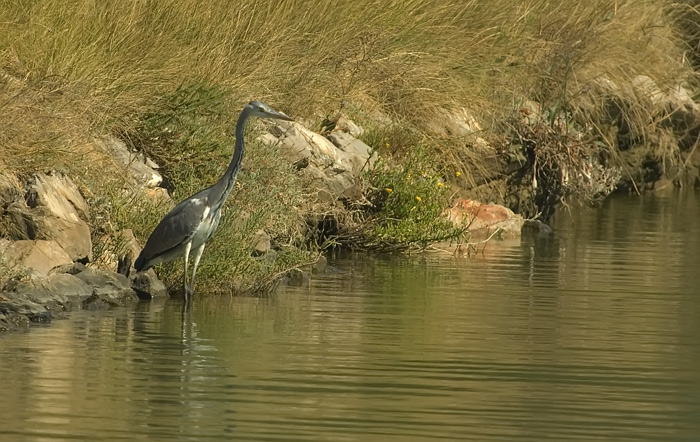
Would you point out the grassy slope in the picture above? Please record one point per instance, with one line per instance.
(70, 69)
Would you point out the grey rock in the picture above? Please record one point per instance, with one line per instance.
(139, 167)
(104, 281)
(148, 286)
(320, 265)
(357, 154)
(19, 221)
(72, 269)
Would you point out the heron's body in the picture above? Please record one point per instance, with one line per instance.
(193, 221)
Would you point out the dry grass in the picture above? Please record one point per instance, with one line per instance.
(109, 60)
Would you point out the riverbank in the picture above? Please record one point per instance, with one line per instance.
(404, 116)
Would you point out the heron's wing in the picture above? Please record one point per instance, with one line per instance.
(176, 228)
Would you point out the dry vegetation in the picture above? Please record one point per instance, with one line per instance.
(73, 69)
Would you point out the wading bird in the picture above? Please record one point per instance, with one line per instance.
(192, 223)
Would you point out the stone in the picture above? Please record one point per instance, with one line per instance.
(148, 286)
(349, 127)
(140, 168)
(40, 255)
(482, 220)
(158, 195)
(261, 242)
(39, 300)
(104, 281)
(130, 251)
(320, 265)
(329, 185)
(297, 142)
(59, 213)
(72, 236)
(329, 169)
(59, 195)
(18, 223)
(357, 154)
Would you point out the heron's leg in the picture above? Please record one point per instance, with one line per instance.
(188, 247)
(197, 255)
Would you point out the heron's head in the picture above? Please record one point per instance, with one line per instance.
(262, 110)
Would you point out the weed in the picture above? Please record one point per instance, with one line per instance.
(411, 197)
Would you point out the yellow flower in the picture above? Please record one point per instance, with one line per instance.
(387, 145)
(388, 189)
(458, 173)
(418, 199)
(440, 184)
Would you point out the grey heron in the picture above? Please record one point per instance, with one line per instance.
(193, 221)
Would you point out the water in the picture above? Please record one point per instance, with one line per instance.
(593, 334)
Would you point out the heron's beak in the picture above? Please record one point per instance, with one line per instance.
(280, 116)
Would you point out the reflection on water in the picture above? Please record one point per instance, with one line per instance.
(591, 334)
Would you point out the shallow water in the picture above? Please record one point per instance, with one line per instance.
(592, 334)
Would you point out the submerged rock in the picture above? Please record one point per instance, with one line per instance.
(148, 286)
(41, 299)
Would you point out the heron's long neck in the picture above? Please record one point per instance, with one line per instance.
(226, 182)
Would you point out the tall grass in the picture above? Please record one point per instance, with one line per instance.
(407, 57)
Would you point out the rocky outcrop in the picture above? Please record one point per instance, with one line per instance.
(331, 164)
(58, 212)
(46, 243)
(41, 299)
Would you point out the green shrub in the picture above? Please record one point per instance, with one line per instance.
(411, 195)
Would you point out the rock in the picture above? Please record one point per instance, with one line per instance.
(148, 286)
(297, 278)
(59, 195)
(40, 300)
(320, 265)
(349, 127)
(58, 213)
(330, 169)
(358, 154)
(105, 283)
(158, 195)
(330, 185)
(297, 142)
(40, 255)
(73, 237)
(18, 221)
(536, 226)
(72, 269)
(483, 220)
(261, 242)
(130, 251)
(139, 167)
